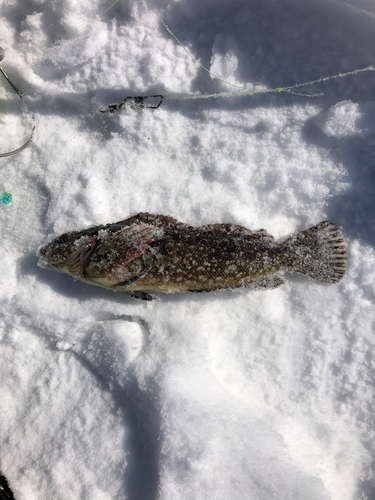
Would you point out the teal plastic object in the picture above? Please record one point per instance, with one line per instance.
(6, 198)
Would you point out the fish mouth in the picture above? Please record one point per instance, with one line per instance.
(45, 259)
(78, 260)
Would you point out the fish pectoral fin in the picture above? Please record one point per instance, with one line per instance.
(126, 284)
(140, 295)
(124, 288)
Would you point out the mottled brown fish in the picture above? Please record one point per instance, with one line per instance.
(157, 253)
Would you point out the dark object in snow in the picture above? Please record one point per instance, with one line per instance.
(2, 55)
(157, 253)
(5, 491)
(18, 92)
(136, 102)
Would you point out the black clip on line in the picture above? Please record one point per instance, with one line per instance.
(135, 102)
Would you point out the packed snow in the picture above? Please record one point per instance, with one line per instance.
(257, 395)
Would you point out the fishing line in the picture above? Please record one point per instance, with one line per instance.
(244, 91)
(141, 101)
(289, 89)
(83, 124)
(11, 153)
(186, 50)
(20, 94)
(36, 47)
(45, 46)
(148, 102)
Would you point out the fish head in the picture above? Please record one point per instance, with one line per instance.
(69, 253)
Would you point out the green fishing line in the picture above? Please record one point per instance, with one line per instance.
(244, 91)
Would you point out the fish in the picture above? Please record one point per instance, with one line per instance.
(157, 253)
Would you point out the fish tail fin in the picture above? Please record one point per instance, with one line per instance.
(318, 252)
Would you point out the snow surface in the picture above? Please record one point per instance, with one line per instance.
(255, 395)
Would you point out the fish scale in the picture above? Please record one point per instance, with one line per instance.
(199, 260)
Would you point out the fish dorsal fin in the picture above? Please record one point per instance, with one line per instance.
(160, 221)
(237, 230)
(169, 223)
